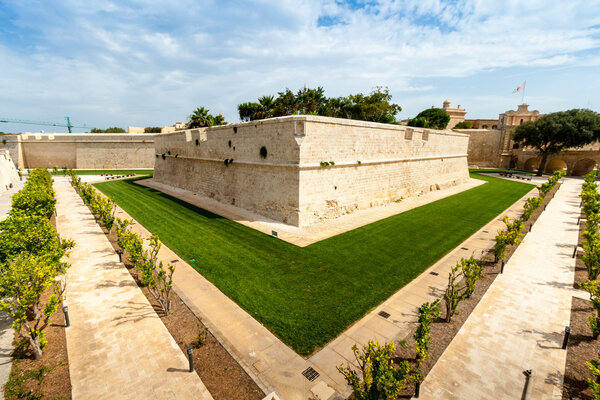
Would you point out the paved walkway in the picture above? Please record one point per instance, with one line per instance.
(519, 323)
(276, 367)
(6, 331)
(118, 347)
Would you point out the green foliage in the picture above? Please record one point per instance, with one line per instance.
(113, 129)
(152, 129)
(201, 118)
(200, 339)
(593, 288)
(510, 236)
(557, 131)
(594, 367)
(18, 386)
(531, 204)
(472, 269)
(374, 107)
(22, 283)
(325, 164)
(36, 197)
(434, 118)
(427, 314)
(464, 125)
(155, 276)
(378, 378)
(130, 242)
(20, 234)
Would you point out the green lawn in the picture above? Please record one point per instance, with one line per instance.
(108, 171)
(307, 296)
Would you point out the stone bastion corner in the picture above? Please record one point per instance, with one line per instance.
(301, 170)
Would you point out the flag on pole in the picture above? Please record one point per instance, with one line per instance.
(520, 88)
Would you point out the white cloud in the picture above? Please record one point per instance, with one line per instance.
(151, 62)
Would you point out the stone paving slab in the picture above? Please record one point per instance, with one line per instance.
(117, 345)
(519, 323)
(277, 368)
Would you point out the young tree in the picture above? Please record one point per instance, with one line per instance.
(22, 283)
(155, 277)
(378, 379)
(454, 294)
(472, 270)
(555, 132)
(427, 314)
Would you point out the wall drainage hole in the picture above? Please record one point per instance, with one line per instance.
(310, 374)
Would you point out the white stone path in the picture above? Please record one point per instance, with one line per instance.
(118, 347)
(519, 323)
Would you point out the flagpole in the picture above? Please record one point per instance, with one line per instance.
(523, 96)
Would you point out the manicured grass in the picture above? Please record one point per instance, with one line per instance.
(107, 171)
(307, 296)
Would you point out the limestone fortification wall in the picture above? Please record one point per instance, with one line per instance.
(8, 172)
(373, 164)
(81, 151)
(485, 146)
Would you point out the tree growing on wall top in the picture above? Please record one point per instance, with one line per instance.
(434, 118)
(555, 132)
(201, 118)
(375, 107)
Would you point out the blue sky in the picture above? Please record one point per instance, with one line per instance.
(150, 63)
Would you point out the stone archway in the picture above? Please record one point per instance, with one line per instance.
(532, 164)
(556, 164)
(583, 167)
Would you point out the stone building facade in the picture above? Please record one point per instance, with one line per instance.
(456, 114)
(300, 170)
(495, 148)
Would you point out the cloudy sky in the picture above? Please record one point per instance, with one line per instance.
(150, 63)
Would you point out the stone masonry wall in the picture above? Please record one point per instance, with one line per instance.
(82, 151)
(373, 164)
(485, 146)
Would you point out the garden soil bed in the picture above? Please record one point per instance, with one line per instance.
(582, 347)
(55, 382)
(442, 332)
(224, 378)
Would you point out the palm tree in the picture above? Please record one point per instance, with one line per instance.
(200, 118)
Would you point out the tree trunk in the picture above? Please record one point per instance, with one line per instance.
(35, 346)
(542, 164)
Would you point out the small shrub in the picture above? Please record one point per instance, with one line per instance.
(378, 377)
(532, 204)
(472, 269)
(427, 314)
(593, 288)
(200, 339)
(594, 367)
